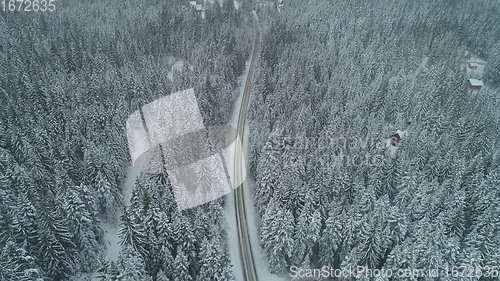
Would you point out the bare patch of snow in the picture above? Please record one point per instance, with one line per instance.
(177, 66)
(402, 133)
(475, 66)
(132, 174)
(420, 67)
(111, 239)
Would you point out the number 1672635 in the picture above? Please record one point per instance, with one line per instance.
(28, 5)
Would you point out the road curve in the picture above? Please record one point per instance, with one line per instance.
(245, 249)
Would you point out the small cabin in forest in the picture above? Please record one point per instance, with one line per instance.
(472, 65)
(265, 3)
(475, 84)
(196, 5)
(395, 139)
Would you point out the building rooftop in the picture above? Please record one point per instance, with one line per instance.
(476, 82)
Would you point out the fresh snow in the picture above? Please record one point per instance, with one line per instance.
(178, 65)
(479, 63)
(476, 82)
(111, 240)
(132, 174)
(402, 134)
(420, 67)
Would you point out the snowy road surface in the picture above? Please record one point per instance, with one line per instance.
(250, 263)
(246, 255)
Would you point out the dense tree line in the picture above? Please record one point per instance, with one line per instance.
(335, 79)
(161, 242)
(69, 79)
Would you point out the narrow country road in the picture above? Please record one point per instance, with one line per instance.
(245, 250)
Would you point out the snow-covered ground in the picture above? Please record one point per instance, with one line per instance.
(179, 64)
(236, 3)
(417, 71)
(132, 174)
(111, 238)
(475, 66)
